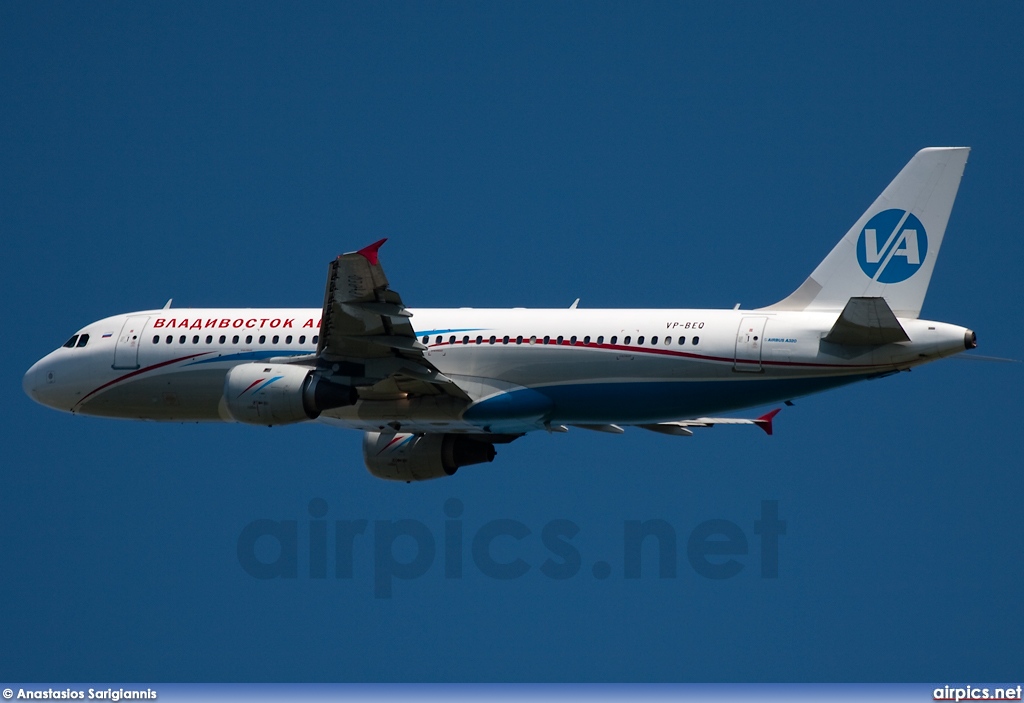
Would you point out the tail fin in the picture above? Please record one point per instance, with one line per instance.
(890, 252)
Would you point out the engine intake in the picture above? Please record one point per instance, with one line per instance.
(420, 457)
(281, 394)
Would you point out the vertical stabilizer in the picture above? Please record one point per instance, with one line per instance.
(890, 252)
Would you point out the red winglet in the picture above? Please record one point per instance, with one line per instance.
(765, 421)
(370, 253)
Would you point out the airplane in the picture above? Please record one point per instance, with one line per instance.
(434, 390)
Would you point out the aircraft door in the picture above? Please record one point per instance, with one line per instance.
(126, 351)
(749, 341)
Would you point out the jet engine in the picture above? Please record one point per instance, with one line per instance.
(280, 394)
(418, 457)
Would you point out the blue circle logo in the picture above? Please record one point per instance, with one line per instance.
(892, 246)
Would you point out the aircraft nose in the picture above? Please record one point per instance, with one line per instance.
(30, 382)
(38, 384)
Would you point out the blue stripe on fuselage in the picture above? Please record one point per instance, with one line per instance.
(262, 355)
(427, 333)
(655, 401)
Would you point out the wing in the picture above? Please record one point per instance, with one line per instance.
(681, 428)
(366, 337)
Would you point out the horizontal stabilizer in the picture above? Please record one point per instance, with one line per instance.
(866, 322)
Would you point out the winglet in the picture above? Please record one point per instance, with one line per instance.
(370, 252)
(765, 421)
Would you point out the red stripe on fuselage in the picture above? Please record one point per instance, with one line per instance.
(137, 372)
(654, 350)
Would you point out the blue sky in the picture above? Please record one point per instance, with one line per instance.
(516, 154)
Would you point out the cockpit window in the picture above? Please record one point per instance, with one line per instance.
(71, 342)
(83, 340)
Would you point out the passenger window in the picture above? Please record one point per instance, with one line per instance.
(288, 339)
(209, 339)
(654, 340)
(682, 341)
(533, 339)
(493, 339)
(504, 340)
(316, 339)
(156, 339)
(71, 342)
(195, 339)
(465, 339)
(451, 340)
(615, 339)
(519, 339)
(626, 340)
(438, 340)
(479, 339)
(302, 339)
(600, 339)
(181, 339)
(426, 339)
(560, 339)
(547, 339)
(586, 340)
(696, 339)
(223, 339)
(640, 339)
(276, 338)
(572, 339)
(263, 339)
(234, 340)
(248, 339)
(668, 341)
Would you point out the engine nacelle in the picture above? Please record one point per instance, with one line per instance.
(280, 394)
(418, 457)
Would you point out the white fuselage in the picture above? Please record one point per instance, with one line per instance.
(434, 390)
(522, 368)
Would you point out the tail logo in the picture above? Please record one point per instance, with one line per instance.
(892, 246)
